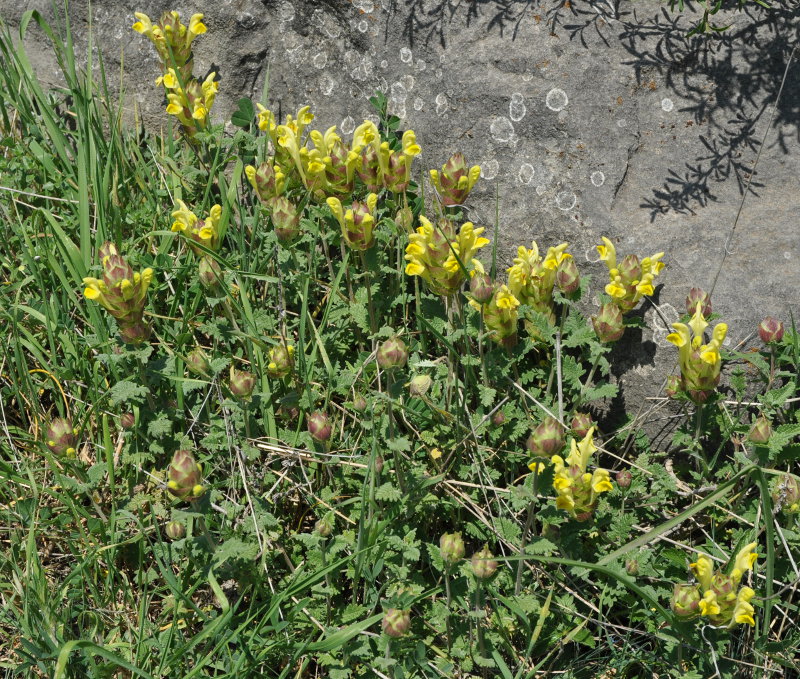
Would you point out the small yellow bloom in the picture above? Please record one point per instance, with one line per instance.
(435, 453)
(744, 561)
(703, 570)
(709, 605)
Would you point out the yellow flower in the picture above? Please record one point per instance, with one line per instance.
(703, 570)
(204, 232)
(744, 561)
(143, 25)
(435, 453)
(577, 489)
(743, 611)
(709, 605)
(442, 257)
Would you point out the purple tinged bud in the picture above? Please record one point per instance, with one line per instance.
(698, 295)
(608, 323)
(567, 277)
(581, 424)
(685, 602)
(198, 363)
(483, 564)
(359, 403)
(630, 269)
(175, 530)
(452, 548)
(419, 385)
(324, 527)
(632, 567)
(674, 386)
(624, 478)
(286, 220)
(547, 439)
(127, 420)
(393, 353)
(396, 622)
(241, 383)
(209, 273)
(499, 418)
(770, 330)
(319, 426)
(134, 333)
(481, 288)
(378, 464)
(185, 476)
(761, 430)
(62, 437)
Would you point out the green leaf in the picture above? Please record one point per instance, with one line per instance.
(127, 391)
(244, 114)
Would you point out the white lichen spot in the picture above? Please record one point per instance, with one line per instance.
(362, 26)
(598, 178)
(286, 11)
(526, 173)
(566, 200)
(516, 109)
(442, 58)
(320, 60)
(408, 82)
(399, 92)
(667, 105)
(326, 84)
(397, 108)
(405, 55)
(420, 65)
(540, 189)
(245, 20)
(348, 125)
(384, 63)
(442, 104)
(419, 104)
(556, 99)
(489, 169)
(501, 129)
(787, 255)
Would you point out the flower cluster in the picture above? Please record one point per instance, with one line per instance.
(630, 279)
(533, 277)
(455, 181)
(121, 292)
(188, 99)
(442, 257)
(357, 222)
(500, 316)
(578, 489)
(699, 363)
(204, 232)
(324, 163)
(717, 596)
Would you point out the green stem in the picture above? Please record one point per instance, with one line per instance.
(525, 531)
(449, 600)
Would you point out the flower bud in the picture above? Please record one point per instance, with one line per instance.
(632, 567)
(455, 180)
(185, 476)
(209, 273)
(499, 418)
(319, 426)
(62, 438)
(581, 424)
(685, 602)
(405, 219)
(567, 277)
(630, 268)
(608, 323)
(241, 383)
(419, 385)
(786, 494)
(698, 295)
(359, 403)
(175, 530)
(770, 330)
(624, 478)
(393, 353)
(378, 464)
(674, 386)
(547, 438)
(760, 431)
(127, 420)
(198, 363)
(286, 220)
(483, 564)
(396, 622)
(451, 547)
(481, 288)
(324, 527)
(281, 361)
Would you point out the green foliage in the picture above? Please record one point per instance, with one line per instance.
(304, 537)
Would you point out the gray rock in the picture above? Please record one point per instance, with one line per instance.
(588, 118)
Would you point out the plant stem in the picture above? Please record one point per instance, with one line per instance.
(449, 600)
(525, 531)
